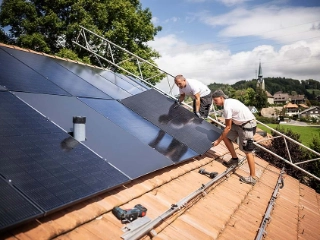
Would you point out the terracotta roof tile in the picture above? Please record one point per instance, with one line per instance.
(278, 230)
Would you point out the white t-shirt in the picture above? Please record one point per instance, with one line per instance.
(193, 87)
(237, 111)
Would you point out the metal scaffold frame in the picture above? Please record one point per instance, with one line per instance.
(84, 40)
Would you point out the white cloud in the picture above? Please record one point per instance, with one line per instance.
(155, 20)
(224, 2)
(270, 22)
(232, 2)
(299, 60)
(172, 19)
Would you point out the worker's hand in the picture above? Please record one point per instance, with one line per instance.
(215, 143)
(198, 114)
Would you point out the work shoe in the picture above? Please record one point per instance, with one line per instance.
(231, 162)
(248, 180)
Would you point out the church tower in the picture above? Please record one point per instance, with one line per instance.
(260, 82)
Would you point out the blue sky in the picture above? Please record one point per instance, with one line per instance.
(223, 40)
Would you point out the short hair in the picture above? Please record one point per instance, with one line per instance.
(219, 93)
(178, 77)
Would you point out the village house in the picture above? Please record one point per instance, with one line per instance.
(291, 109)
(281, 98)
(311, 112)
(297, 99)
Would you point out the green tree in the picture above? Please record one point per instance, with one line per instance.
(261, 99)
(279, 147)
(38, 25)
(314, 167)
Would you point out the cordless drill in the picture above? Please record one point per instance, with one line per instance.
(129, 215)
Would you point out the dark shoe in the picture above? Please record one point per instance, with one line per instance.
(249, 180)
(232, 162)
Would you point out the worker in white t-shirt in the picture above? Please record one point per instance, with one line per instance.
(200, 93)
(239, 122)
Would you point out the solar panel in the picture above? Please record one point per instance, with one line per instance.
(92, 76)
(144, 85)
(14, 207)
(16, 76)
(117, 146)
(18, 119)
(180, 123)
(53, 176)
(44, 163)
(145, 131)
(49, 68)
(122, 82)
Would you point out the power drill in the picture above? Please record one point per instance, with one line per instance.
(129, 215)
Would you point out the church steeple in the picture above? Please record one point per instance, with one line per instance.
(260, 71)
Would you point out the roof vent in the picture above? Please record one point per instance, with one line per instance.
(79, 128)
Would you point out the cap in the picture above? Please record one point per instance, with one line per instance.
(219, 93)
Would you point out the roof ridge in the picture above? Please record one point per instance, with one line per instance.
(48, 55)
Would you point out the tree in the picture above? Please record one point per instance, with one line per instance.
(278, 146)
(314, 167)
(297, 154)
(250, 98)
(261, 99)
(38, 25)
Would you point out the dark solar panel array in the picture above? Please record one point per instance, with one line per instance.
(44, 163)
(173, 119)
(14, 207)
(92, 76)
(56, 74)
(17, 76)
(123, 150)
(142, 129)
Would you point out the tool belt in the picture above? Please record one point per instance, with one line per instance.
(248, 129)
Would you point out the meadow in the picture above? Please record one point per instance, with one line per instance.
(307, 133)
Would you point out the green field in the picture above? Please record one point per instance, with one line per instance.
(306, 133)
(315, 91)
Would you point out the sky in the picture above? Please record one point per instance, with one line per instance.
(223, 41)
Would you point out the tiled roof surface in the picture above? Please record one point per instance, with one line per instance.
(290, 105)
(281, 96)
(303, 105)
(297, 97)
(230, 210)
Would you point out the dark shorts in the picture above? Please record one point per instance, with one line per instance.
(205, 104)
